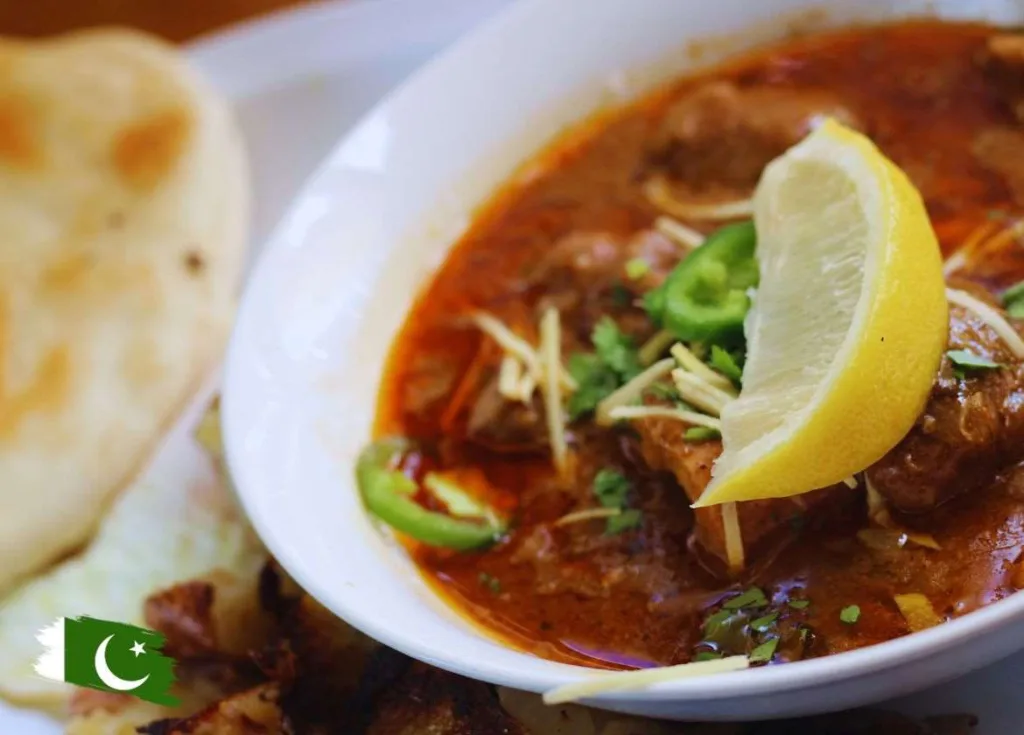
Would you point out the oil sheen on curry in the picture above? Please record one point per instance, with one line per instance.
(580, 368)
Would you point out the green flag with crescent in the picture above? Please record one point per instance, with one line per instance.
(108, 656)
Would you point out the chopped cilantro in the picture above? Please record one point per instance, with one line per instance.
(490, 582)
(798, 604)
(763, 623)
(611, 488)
(595, 381)
(964, 361)
(613, 362)
(764, 652)
(850, 614)
(624, 521)
(615, 349)
(715, 622)
(700, 434)
(725, 363)
(804, 632)
(753, 597)
(1013, 300)
(637, 268)
(707, 656)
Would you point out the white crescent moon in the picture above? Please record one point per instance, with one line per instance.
(108, 677)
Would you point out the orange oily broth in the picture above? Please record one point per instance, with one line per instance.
(580, 605)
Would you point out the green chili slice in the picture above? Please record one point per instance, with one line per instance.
(705, 296)
(388, 494)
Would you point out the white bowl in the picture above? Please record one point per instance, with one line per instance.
(341, 272)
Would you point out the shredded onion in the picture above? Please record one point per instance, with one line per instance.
(691, 363)
(631, 391)
(527, 385)
(889, 539)
(551, 353)
(991, 317)
(651, 349)
(679, 233)
(878, 509)
(515, 345)
(733, 537)
(702, 395)
(509, 378)
(659, 193)
(587, 514)
(621, 681)
(664, 412)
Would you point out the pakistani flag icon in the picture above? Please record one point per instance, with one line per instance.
(109, 656)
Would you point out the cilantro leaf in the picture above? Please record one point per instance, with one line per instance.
(725, 363)
(753, 597)
(707, 656)
(715, 622)
(764, 652)
(1013, 300)
(763, 623)
(613, 362)
(701, 434)
(595, 381)
(799, 604)
(965, 361)
(615, 349)
(624, 521)
(850, 614)
(611, 488)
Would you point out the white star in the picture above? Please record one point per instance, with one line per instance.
(138, 648)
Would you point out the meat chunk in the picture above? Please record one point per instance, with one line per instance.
(761, 521)
(584, 274)
(721, 136)
(971, 427)
(588, 261)
(1001, 151)
(1004, 64)
(506, 426)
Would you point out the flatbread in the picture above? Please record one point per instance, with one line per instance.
(171, 526)
(123, 208)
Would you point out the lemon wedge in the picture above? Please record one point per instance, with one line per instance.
(848, 325)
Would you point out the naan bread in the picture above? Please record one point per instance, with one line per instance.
(178, 523)
(123, 212)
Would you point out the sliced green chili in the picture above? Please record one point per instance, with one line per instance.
(705, 297)
(388, 494)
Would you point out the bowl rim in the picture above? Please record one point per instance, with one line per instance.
(517, 668)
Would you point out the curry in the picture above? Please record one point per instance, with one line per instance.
(598, 558)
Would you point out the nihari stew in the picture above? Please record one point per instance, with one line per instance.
(553, 405)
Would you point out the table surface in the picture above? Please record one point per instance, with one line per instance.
(176, 20)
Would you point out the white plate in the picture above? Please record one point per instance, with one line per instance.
(333, 288)
(299, 79)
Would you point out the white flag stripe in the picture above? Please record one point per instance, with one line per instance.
(50, 663)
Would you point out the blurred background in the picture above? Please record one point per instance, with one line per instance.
(175, 20)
